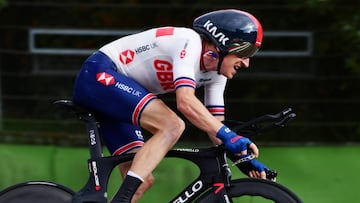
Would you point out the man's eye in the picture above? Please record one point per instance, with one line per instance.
(237, 67)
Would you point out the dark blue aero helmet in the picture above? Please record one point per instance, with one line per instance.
(232, 31)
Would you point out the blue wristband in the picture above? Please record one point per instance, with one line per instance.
(232, 141)
(225, 133)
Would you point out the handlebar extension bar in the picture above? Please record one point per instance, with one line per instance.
(257, 126)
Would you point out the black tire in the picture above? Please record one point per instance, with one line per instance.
(255, 190)
(36, 192)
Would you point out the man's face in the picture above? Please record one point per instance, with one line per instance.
(231, 64)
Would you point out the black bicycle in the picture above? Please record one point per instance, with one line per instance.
(214, 184)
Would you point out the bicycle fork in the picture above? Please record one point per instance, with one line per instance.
(222, 181)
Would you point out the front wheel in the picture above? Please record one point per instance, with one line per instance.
(255, 190)
(36, 192)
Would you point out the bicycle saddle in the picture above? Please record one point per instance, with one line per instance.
(70, 106)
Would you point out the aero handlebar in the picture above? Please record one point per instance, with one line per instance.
(262, 123)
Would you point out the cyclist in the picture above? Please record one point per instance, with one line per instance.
(120, 81)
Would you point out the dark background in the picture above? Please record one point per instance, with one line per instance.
(322, 87)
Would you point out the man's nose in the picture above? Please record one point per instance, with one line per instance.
(245, 62)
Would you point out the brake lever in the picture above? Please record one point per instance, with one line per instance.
(287, 111)
(271, 175)
(282, 114)
(286, 119)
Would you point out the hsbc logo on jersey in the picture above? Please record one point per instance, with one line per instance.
(105, 78)
(145, 48)
(127, 56)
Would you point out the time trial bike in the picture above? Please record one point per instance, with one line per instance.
(214, 183)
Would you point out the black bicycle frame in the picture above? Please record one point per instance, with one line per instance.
(212, 162)
(214, 172)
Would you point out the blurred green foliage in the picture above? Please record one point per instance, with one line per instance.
(342, 19)
(2, 3)
(322, 88)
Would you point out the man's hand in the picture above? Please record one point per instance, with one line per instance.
(259, 170)
(235, 143)
(253, 168)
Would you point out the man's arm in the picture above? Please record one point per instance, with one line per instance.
(194, 110)
(216, 140)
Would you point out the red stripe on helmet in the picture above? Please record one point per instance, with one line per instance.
(259, 34)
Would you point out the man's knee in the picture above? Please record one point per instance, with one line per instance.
(168, 124)
(158, 117)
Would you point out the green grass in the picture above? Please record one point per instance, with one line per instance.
(317, 174)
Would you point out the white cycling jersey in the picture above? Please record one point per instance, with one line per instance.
(164, 59)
